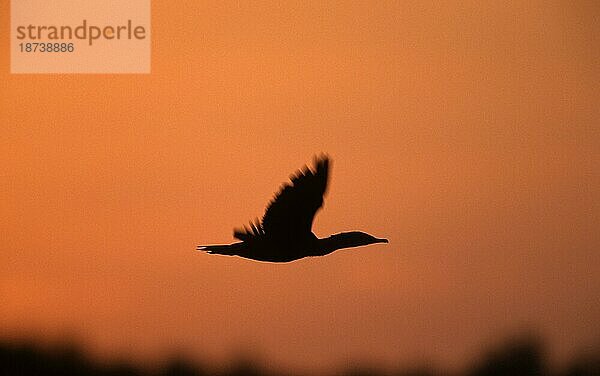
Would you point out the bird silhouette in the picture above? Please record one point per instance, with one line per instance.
(285, 232)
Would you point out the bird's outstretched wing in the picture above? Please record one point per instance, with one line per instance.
(290, 214)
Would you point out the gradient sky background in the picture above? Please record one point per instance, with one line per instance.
(467, 134)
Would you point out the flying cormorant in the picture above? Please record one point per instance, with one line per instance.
(285, 232)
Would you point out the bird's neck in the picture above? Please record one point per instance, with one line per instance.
(333, 243)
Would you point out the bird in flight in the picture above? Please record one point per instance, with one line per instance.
(285, 232)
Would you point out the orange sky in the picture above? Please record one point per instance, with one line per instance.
(467, 135)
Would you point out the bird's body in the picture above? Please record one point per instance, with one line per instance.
(285, 232)
(267, 249)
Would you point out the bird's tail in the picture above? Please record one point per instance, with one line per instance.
(222, 249)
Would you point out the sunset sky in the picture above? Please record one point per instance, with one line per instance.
(468, 134)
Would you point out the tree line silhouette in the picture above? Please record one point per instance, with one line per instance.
(523, 356)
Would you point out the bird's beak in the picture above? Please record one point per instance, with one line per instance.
(382, 241)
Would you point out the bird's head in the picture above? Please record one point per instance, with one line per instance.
(350, 239)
